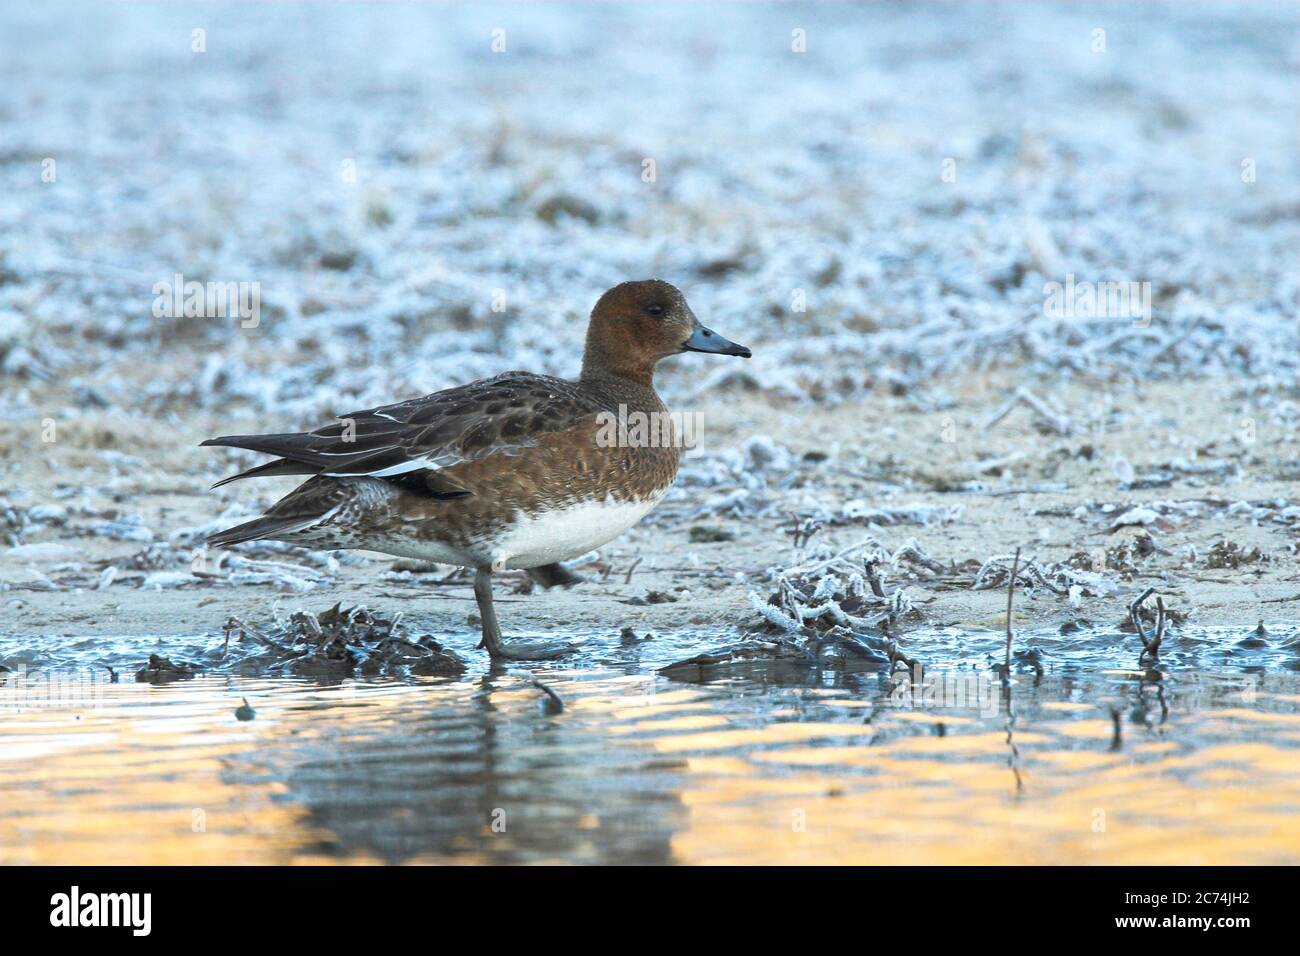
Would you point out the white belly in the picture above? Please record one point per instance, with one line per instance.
(565, 533)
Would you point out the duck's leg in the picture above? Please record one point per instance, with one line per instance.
(497, 648)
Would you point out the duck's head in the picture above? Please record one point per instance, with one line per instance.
(636, 324)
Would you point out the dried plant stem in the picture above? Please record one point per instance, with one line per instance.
(1150, 647)
(872, 568)
(627, 579)
(553, 705)
(1011, 593)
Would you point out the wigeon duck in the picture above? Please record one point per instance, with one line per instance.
(515, 471)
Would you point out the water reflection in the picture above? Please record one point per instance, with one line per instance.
(1082, 764)
(477, 771)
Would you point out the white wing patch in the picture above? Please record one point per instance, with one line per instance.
(415, 464)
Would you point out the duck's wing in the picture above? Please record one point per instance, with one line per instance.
(496, 416)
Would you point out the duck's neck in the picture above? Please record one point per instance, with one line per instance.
(629, 384)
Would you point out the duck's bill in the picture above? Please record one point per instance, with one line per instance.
(706, 340)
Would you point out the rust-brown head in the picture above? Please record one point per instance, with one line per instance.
(635, 324)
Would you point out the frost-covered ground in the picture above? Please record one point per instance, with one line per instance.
(877, 217)
(776, 173)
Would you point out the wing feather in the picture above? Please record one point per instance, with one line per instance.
(501, 415)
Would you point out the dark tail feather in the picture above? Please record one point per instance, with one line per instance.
(374, 453)
(265, 527)
(272, 468)
(283, 446)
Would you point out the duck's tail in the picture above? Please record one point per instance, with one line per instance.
(266, 526)
(297, 511)
(282, 466)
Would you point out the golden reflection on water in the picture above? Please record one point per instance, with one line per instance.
(642, 770)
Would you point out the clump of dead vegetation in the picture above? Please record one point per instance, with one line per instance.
(1125, 558)
(831, 614)
(1229, 554)
(162, 670)
(809, 602)
(339, 641)
(1063, 578)
(12, 524)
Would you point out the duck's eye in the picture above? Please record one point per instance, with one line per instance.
(655, 309)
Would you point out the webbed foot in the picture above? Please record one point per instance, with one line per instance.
(529, 650)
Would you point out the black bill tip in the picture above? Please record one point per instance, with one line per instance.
(710, 342)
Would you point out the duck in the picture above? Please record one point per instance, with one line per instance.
(520, 471)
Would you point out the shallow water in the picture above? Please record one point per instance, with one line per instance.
(772, 765)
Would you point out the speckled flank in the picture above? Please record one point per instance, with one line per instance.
(509, 516)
